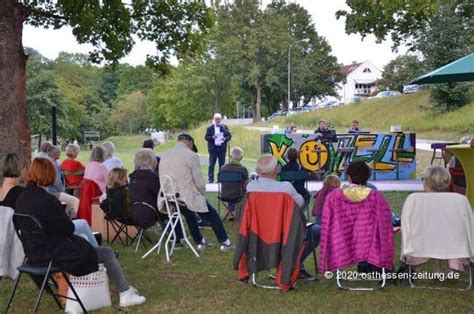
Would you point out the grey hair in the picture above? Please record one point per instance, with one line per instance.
(266, 164)
(144, 158)
(217, 115)
(437, 178)
(109, 149)
(52, 149)
(72, 150)
(98, 154)
(237, 153)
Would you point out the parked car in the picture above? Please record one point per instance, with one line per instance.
(328, 103)
(277, 114)
(408, 89)
(355, 99)
(387, 93)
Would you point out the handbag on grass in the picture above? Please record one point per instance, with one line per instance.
(93, 290)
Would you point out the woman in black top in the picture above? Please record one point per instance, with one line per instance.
(72, 253)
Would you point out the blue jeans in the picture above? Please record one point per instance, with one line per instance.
(312, 239)
(82, 229)
(212, 216)
(218, 153)
(317, 219)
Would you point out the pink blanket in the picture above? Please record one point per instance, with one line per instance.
(353, 232)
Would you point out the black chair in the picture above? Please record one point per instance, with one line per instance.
(31, 234)
(229, 179)
(292, 176)
(148, 218)
(115, 209)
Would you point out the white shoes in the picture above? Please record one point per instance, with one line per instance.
(131, 297)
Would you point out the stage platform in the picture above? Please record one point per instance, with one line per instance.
(389, 185)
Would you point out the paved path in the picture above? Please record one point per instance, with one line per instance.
(389, 185)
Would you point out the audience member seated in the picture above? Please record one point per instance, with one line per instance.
(459, 181)
(43, 150)
(356, 226)
(234, 190)
(293, 165)
(151, 145)
(181, 163)
(72, 253)
(354, 127)
(267, 169)
(58, 188)
(117, 195)
(13, 173)
(111, 161)
(331, 183)
(72, 165)
(144, 188)
(437, 224)
(95, 170)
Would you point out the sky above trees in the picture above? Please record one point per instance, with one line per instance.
(50, 42)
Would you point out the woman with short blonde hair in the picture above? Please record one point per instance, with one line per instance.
(436, 179)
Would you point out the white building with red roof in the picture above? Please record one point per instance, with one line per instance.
(361, 80)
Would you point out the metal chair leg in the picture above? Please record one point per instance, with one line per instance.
(43, 285)
(75, 293)
(12, 294)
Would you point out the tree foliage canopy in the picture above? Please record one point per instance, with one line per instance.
(176, 27)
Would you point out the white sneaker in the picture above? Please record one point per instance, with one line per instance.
(131, 297)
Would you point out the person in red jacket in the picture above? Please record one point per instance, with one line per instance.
(72, 165)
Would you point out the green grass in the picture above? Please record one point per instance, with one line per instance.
(209, 284)
(413, 111)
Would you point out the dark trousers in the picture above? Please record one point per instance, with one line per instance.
(312, 239)
(212, 216)
(217, 153)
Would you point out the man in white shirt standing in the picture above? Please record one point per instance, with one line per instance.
(217, 136)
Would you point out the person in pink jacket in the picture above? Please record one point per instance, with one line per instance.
(356, 225)
(95, 169)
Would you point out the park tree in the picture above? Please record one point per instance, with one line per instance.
(399, 71)
(177, 27)
(441, 30)
(129, 113)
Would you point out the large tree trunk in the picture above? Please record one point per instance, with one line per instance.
(14, 126)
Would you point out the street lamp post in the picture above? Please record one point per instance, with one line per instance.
(289, 66)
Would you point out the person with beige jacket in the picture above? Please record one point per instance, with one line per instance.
(181, 163)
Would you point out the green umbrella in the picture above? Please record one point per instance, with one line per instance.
(456, 71)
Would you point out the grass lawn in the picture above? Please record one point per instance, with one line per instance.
(209, 284)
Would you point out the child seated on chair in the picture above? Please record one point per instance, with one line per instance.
(117, 184)
(331, 183)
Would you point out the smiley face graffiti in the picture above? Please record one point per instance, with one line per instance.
(309, 157)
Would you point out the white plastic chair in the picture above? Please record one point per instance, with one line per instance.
(170, 196)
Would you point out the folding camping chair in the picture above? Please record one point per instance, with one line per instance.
(115, 209)
(301, 175)
(170, 197)
(28, 227)
(446, 217)
(229, 180)
(268, 241)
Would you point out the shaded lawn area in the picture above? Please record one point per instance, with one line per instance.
(209, 284)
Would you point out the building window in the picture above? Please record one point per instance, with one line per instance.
(367, 70)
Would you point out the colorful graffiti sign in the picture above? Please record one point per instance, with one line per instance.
(380, 151)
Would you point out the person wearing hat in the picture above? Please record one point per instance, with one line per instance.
(181, 163)
(217, 136)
